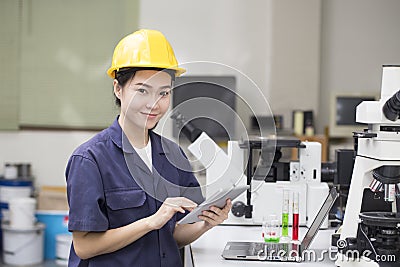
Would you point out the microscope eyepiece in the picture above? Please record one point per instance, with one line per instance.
(391, 109)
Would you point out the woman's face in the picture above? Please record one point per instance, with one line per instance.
(145, 98)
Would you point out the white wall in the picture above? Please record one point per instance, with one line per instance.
(295, 62)
(358, 37)
(47, 151)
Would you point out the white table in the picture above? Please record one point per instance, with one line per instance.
(207, 250)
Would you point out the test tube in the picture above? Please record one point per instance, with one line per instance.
(264, 229)
(295, 226)
(285, 214)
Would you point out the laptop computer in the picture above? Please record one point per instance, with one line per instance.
(262, 251)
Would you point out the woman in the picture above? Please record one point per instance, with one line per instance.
(128, 186)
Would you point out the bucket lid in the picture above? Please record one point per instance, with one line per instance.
(21, 200)
(52, 212)
(15, 182)
(62, 262)
(64, 237)
(38, 226)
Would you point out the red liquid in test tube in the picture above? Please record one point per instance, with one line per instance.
(295, 225)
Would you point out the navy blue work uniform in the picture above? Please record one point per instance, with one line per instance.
(103, 194)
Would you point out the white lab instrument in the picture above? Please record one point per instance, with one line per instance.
(226, 169)
(377, 157)
(305, 179)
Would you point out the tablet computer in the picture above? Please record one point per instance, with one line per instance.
(218, 200)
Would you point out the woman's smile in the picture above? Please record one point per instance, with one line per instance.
(150, 115)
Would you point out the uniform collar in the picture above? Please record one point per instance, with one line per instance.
(116, 133)
(120, 140)
(158, 143)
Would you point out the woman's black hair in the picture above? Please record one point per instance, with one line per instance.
(126, 74)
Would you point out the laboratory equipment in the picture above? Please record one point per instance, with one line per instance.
(267, 182)
(295, 224)
(285, 216)
(271, 229)
(262, 251)
(223, 169)
(374, 235)
(342, 115)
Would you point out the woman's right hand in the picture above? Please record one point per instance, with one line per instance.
(168, 209)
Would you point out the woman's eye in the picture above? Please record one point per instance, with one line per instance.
(141, 90)
(164, 93)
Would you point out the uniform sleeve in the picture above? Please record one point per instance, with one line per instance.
(85, 196)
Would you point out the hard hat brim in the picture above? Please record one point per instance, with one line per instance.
(178, 71)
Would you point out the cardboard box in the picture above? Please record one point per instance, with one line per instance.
(52, 198)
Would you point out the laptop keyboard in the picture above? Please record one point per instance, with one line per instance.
(256, 247)
(268, 247)
(272, 251)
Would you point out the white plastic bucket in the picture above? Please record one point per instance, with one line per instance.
(22, 213)
(63, 246)
(23, 247)
(9, 192)
(10, 189)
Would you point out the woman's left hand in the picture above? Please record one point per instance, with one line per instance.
(215, 215)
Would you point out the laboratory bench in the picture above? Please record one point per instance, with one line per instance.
(207, 250)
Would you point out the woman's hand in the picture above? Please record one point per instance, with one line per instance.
(168, 209)
(185, 234)
(215, 215)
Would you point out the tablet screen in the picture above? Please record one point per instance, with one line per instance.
(218, 200)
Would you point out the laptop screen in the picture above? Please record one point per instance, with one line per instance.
(323, 212)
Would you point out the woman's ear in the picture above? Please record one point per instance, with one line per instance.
(117, 89)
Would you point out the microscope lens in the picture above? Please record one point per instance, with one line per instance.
(372, 184)
(375, 185)
(391, 109)
(389, 192)
(398, 190)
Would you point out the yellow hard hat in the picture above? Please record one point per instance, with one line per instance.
(144, 49)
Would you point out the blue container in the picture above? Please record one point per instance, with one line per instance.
(3, 206)
(15, 182)
(56, 223)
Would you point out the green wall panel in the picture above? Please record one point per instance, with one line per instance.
(9, 66)
(66, 48)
